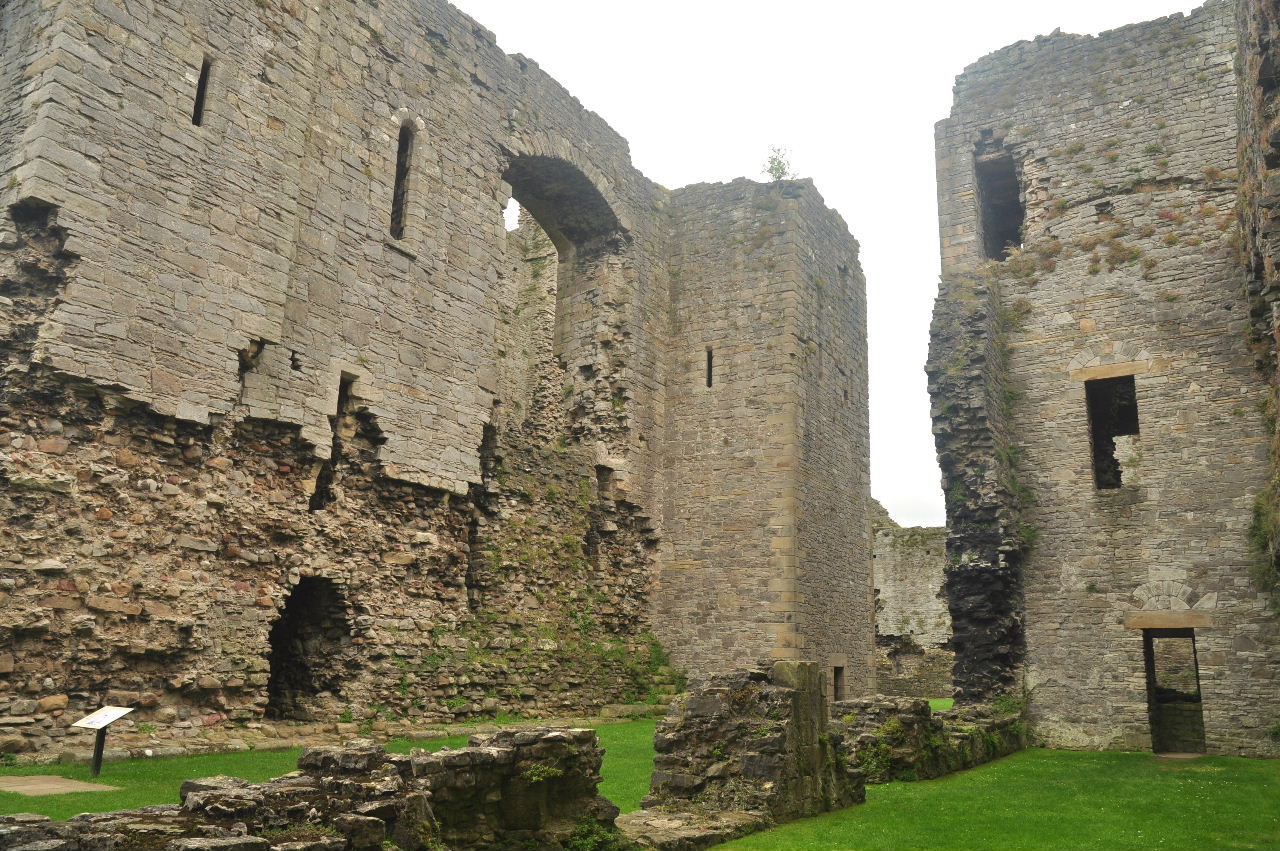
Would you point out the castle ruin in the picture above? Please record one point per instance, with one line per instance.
(1099, 368)
(293, 429)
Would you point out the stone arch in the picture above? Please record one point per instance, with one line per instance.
(589, 238)
(1110, 356)
(307, 645)
(1164, 595)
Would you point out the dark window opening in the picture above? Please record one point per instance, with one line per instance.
(400, 196)
(837, 683)
(307, 645)
(1000, 199)
(1113, 411)
(324, 494)
(710, 367)
(1173, 690)
(604, 483)
(202, 89)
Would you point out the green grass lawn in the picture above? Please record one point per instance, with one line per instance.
(1036, 800)
(937, 704)
(1042, 800)
(627, 767)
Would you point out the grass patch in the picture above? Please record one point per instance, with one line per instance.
(628, 764)
(938, 704)
(1056, 801)
(142, 782)
(628, 761)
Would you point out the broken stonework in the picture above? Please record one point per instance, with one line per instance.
(752, 742)
(294, 432)
(530, 788)
(1100, 379)
(901, 739)
(913, 622)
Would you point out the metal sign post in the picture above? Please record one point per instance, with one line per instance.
(99, 721)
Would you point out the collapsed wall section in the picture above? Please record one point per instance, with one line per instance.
(913, 621)
(1111, 328)
(251, 461)
(296, 433)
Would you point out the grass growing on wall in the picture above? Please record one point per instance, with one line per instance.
(1056, 801)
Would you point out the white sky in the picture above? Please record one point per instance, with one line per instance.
(703, 89)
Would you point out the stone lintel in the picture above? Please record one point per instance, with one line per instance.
(1166, 619)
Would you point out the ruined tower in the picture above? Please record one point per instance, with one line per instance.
(1099, 415)
(291, 426)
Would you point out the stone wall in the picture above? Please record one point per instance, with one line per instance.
(1108, 162)
(278, 447)
(533, 788)
(896, 739)
(743, 750)
(768, 366)
(913, 622)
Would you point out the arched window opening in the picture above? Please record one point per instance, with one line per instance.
(306, 648)
(400, 195)
(563, 241)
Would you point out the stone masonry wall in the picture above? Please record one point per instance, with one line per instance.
(767, 295)
(913, 622)
(264, 463)
(1123, 148)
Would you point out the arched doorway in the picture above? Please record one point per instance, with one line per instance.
(307, 645)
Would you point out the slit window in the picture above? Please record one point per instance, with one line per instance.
(1001, 204)
(710, 367)
(1113, 413)
(400, 196)
(202, 91)
(837, 683)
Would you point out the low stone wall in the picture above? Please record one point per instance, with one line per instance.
(525, 788)
(902, 739)
(128, 740)
(742, 751)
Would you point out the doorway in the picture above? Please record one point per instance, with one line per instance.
(1173, 690)
(306, 649)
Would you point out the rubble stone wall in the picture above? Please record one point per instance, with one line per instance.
(533, 788)
(1123, 147)
(913, 622)
(264, 461)
(901, 739)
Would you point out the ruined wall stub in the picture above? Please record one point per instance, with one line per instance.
(283, 341)
(1110, 160)
(913, 621)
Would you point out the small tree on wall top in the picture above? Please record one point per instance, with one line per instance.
(778, 167)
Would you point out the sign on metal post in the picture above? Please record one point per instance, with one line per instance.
(99, 720)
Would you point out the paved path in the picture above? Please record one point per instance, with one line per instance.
(47, 784)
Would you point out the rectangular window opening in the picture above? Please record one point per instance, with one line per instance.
(710, 367)
(1113, 412)
(202, 90)
(400, 196)
(837, 683)
(1000, 199)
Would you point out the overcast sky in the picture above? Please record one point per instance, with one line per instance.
(702, 89)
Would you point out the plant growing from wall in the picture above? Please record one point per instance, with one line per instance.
(777, 166)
